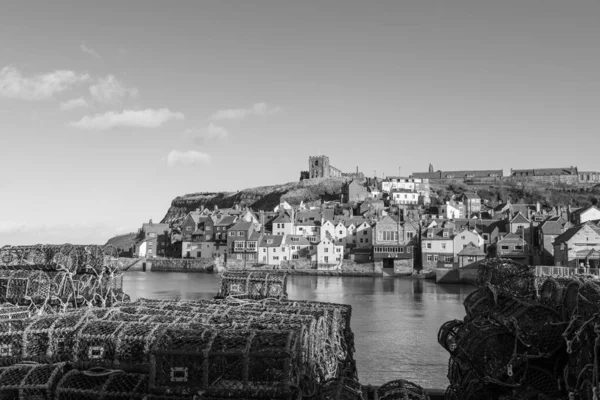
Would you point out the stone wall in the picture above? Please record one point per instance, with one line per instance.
(180, 265)
(403, 266)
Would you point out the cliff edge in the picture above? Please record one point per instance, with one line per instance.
(259, 198)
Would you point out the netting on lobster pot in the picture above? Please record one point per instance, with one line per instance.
(134, 342)
(505, 275)
(537, 326)
(253, 285)
(401, 389)
(8, 311)
(479, 302)
(588, 300)
(52, 337)
(11, 340)
(341, 389)
(489, 351)
(30, 381)
(101, 384)
(231, 363)
(551, 292)
(96, 342)
(538, 383)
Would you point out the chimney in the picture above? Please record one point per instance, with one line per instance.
(150, 221)
(216, 208)
(262, 222)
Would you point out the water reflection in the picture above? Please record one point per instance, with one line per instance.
(395, 321)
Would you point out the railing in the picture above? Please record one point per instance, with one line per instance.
(541, 270)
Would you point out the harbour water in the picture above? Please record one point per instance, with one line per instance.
(395, 320)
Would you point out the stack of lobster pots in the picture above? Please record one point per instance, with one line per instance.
(525, 336)
(48, 279)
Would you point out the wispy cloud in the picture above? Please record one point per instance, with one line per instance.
(149, 118)
(189, 157)
(73, 103)
(258, 109)
(14, 85)
(212, 132)
(89, 51)
(109, 90)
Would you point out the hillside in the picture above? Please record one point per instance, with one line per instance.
(259, 198)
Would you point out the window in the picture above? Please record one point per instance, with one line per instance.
(188, 245)
(428, 245)
(485, 236)
(361, 240)
(462, 237)
(429, 258)
(264, 250)
(308, 257)
(326, 249)
(367, 240)
(276, 258)
(284, 258)
(239, 256)
(239, 245)
(470, 259)
(311, 247)
(294, 256)
(408, 249)
(250, 256)
(435, 257)
(241, 233)
(518, 247)
(410, 235)
(340, 241)
(504, 247)
(338, 250)
(340, 232)
(443, 245)
(445, 234)
(274, 249)
(326, 259)
(365, 233)
(251, 245)
(152, 234)
(231, 233)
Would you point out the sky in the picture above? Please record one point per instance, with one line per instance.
(109, 110)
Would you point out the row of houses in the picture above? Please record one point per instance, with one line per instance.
(567, 175)
(524, 233)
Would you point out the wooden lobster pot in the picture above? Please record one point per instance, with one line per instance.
(231, 363)
(340, 389)
(28, 382)
(253, 285)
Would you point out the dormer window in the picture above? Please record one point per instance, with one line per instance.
(269, 241)
(429, 235)
(445, 234)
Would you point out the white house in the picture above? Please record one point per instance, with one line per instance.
(283, 224)
(404, 196)
(329, 253)
(582, 215)
(271, 250)
(452, 210)
(282, 206)
(298, 247)
(327, 229)
(340, 233)
(462, 239)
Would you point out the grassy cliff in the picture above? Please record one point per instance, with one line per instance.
(259, 198)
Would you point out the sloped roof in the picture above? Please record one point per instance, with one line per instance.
(282, 218)
(519, 219)
(254, 235)
(512, 238)
(582, 210)
(438, 233)
(241, 226)
(470, 195)
(571, 232)
(225, 220)
(471, 250)
(156, 228)
(544, 171)
(296, 240)
(276, 241)
(553, 226)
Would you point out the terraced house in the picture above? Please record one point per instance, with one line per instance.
(437, 244)
(394, 242)
(578, 246)
(242, 241)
